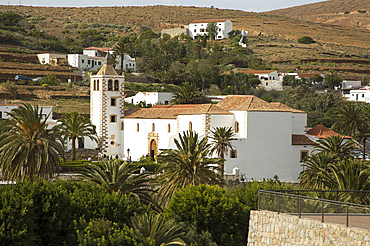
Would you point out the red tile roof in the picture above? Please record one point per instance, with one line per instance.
(207, 21)
(321, 131)
(249, 103)
(283, 106)
(258, 71)
(300, 139)
(100, 49)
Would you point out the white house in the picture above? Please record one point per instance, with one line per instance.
(347, 86)
(150, 98)
(93, 58)
(52, 59)
(360, 95)
(264, 74)
(199, 27)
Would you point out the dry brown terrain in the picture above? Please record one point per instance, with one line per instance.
(346, 13)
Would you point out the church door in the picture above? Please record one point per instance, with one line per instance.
(153, 149)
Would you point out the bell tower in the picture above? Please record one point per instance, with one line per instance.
(107, 108)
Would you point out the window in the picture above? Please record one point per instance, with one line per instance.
(233, 153)
(169, 128)
(89, 62)
(219, 29)
(190, 126)
(97, 85)
(202, 30)
(304, 154)
(122, 126)
(165, 102)
(267, 83)
(113, 102)
(153, 127)
(218, 36)
(137, 127)
(1, 114)
(82, 61)
(99, 63)
(116, 85)
(110, 85)
(363, 95)
(94, 85)
(195, 30)
(113, 118)
(236, 127)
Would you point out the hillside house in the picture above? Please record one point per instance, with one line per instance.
(264, 74)
(151, 98)
(347, 86)
(360, 95)
(199, 27)
(52, 59)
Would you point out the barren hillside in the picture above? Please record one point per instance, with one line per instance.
(353, 13)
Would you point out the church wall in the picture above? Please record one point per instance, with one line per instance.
(198, 123)
(299, 122)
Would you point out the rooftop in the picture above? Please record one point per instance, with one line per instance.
(321, 131)
(300, 139)
(207, 21)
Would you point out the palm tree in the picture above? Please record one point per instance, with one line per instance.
(119, 177)
(27, 147)
(221, 141)
(120, 49)
(316, 174)
(74, 125)
(189, 164)
(187, 94)
(337, 146)
(157, 229)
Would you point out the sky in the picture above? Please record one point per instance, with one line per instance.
(246, 5)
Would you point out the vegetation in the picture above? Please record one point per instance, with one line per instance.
(189, 164)
(27, 147)
(188, 94)
(305, 40)
(72, 126)
(212, 30)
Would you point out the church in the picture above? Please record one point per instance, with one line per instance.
(270, 137)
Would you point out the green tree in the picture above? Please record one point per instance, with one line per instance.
(118, 177)
(305, 40)
(332, 80)
(213, 209)
(337, 146)
(187, 94)
(120, 49)
(27, 147)
(72, 126)
(212, 30)
(189, 164)
(221, 141)
(157, 229)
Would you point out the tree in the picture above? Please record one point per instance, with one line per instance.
(74, 125)
(188, 165)
(337, 146)
(27, 147)
(120, 49)
(332, 80)
(212, 30)
(221, 141)
(315, 174)
(157, 229)
(118, 177)
(305, 40)
(187, 94)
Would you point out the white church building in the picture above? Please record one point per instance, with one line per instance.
(270, 137)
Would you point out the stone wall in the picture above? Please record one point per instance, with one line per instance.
(271, 228)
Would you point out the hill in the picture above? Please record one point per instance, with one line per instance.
(349, 14)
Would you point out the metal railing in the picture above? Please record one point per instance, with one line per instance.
(281, 202)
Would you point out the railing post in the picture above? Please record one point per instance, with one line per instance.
(347, 215)
(322, 211)
(299, 207)
(259, 201)
(278, 203)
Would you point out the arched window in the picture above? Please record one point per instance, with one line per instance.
(137, 127)
(94, 88)
(116, 85)
(97, 85)
(169, 128)
(153, 127)
(190, 126)
(122, 126)
(236, 127)
(110, 85)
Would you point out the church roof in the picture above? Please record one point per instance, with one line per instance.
(172, 111)
(107, 68)
(300, 139)
(321, 131)
(283, 106)
(249, 103)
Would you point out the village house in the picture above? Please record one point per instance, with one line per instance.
(360, 95)
(199, 27)
(52, 59)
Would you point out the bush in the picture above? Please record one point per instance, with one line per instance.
(212, 209)
(305, 40)
(362, 11)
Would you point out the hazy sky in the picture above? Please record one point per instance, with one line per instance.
(247, 5)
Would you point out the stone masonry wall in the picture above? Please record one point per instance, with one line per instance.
(271, 228)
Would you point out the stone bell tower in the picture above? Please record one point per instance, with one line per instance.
(107, 108)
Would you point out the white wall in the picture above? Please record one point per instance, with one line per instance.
(269, 85)
(150, 98)
(299, 122)
(200, 29)
(360, 95)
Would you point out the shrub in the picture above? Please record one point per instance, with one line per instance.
(362, 11)
(347, 12)
(305, 40)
